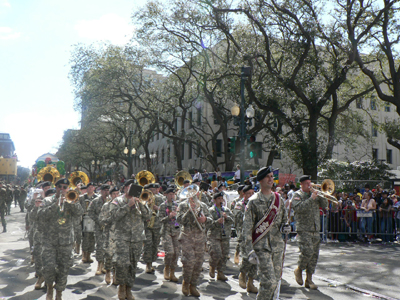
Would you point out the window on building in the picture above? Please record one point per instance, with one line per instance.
(387, 107)
(190, 150)
(190, 119)
(183, 151)
(389, 156)
(373, 104)
(169, 154)
(359, 103)
(198, 150)
(199, 116)
(374, 130)
(259, 149)
(176, 125)
(218, 147)
(162, 156)
(374, 154)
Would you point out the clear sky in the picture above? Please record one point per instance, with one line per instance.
(36, 39)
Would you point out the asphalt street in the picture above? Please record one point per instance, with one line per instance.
(345, 271)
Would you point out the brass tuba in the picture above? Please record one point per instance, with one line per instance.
(78, 177)
(145, 177)
(72, 196)
(50, 174)
(180, 177)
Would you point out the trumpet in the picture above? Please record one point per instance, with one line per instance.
(72, 196)
(325, 190)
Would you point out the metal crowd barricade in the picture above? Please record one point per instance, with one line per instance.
(356, 224)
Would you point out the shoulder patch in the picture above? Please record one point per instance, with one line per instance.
(296, 198)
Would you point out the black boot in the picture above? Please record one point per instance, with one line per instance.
(4, 229)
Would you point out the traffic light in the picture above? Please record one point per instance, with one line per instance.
(232, 145)
(251, 146)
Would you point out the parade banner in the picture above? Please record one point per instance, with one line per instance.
(8, 166)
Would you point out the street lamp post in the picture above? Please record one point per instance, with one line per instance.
(129, 151)
(246, 71)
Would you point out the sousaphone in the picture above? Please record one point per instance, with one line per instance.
(145, 177)
(78, 177)
(180, 177)
(50, 174)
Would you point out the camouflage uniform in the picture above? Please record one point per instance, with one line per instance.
(128, 235)
(21, 200)
(238, 212)
(9, 199)
(58, 240)
(37, 232)
(192, 241)
(3, 207)
(29, 221)
(105, 220)
(218, 238)
(269, 249)
(88, 241)
(94, 212)
(169, 233)
(17, 194)
(306, 213)
(205, 199)
(153, 235)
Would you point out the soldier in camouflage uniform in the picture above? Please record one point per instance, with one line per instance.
(3, 206)
(268, 251)
(78, 224)
(201, 194)
(192, 239)
(305, 205)
(88, 241)
(9, 198)
(129, 216)
(246, 268)
(17, 193)
(236, 206)
(38, 227)
(94, 212)
(58, 216)
(22, 198)
(169, 233)
(105, 221)
(153, 234)
(218, 237)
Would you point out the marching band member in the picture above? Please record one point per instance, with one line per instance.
(218, 237)
(237, 228)
(193, 216)
(305, 205)
(88, 241)
(264, 221)
(128, 215)
(94, 212)
(169, 233)
(58, 216)
(81, 189)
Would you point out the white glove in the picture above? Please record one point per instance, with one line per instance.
(286, 229)
(253, 258)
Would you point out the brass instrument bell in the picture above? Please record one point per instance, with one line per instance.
(145, 177)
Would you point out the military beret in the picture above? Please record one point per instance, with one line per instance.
(263, 172)
(305, 177)
(49, 192)
(107, 180)
(186, 181)
(90, 184)
(114, 189)
(385, 192)
(105, 187)
(39, 184)
(164, 188)
(128, 182)
(247, 188)
(147, 186)
(83, 187)
(219, 194)
(195, 180)
(46, 183)
(61, 181)
(156, 185)
(240, 187)
(170, 190)
(221, 185)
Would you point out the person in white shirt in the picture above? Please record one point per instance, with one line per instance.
(197, 175)
(236, 177)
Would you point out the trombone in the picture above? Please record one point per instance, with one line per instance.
(325, 190)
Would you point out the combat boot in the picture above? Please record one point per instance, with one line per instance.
(58, 295)
(309, 283)
(89, 260)
(221, 276)
(194, 291)
(212, 272)
(121, 292)
(236, 258)
(185, 288)
(32, 260)
(4, 229)
(166, 272)
(84, 257)
(108, 277)
(250, 286)
(298, 274)
(99, 268)
(38, 284)
(49, 294)
(172, 276)
(114, 281)
(129, 295)
(149, 269)
(242, 280)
